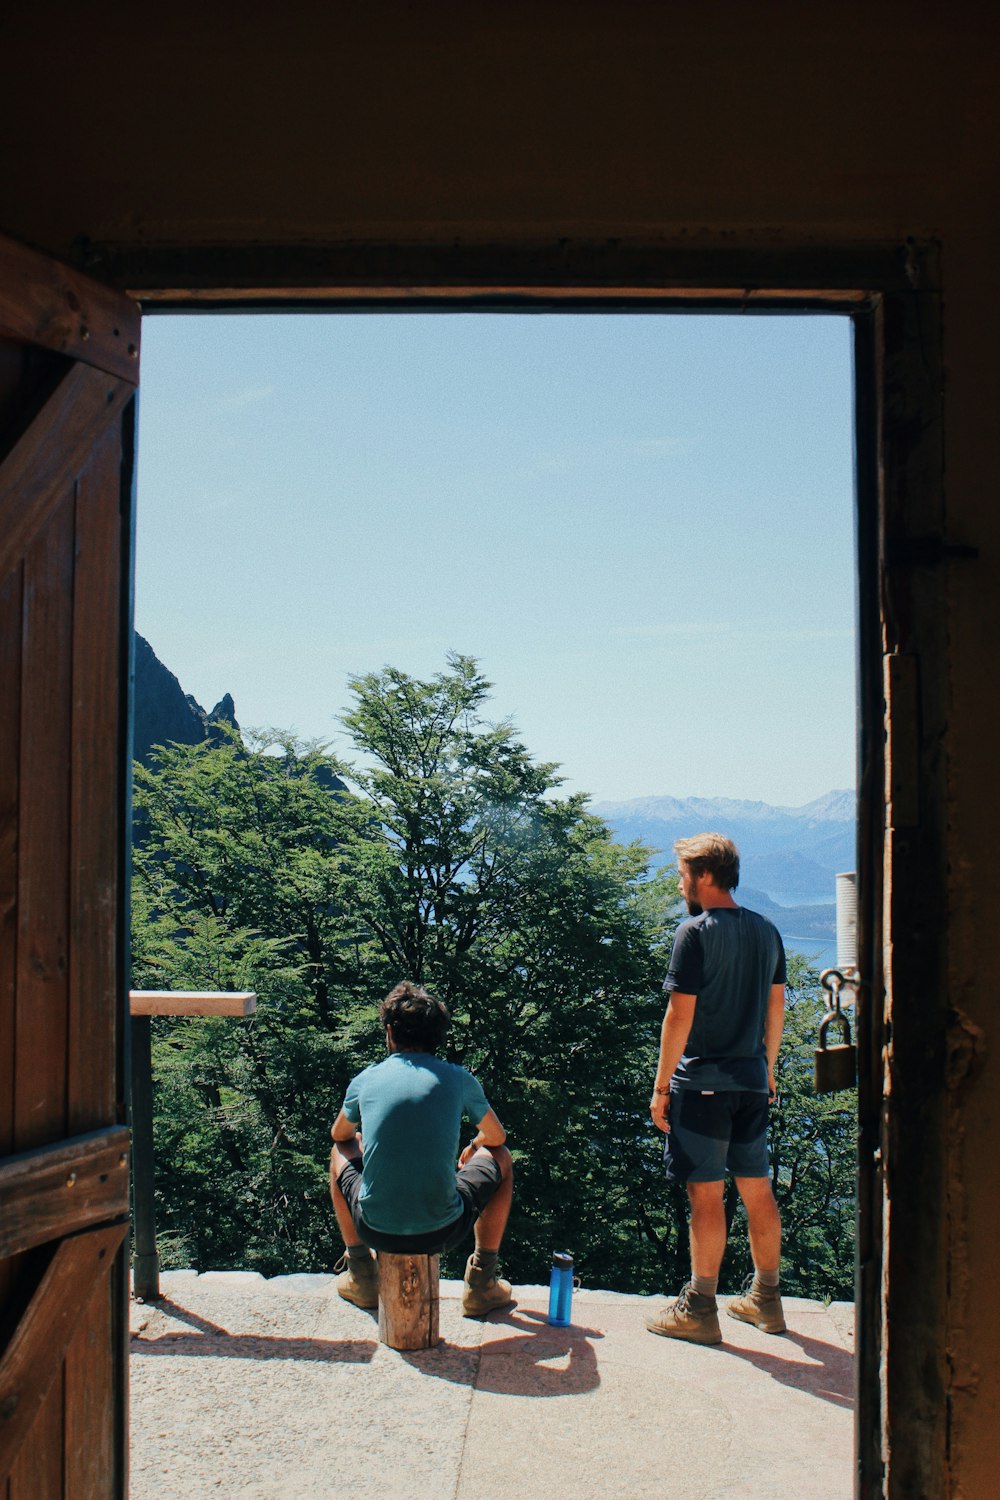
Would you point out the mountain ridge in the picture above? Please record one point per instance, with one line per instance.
(793, 854)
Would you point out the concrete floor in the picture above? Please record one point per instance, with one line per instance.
(275, 1389)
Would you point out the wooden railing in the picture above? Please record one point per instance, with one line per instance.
(143, 1005)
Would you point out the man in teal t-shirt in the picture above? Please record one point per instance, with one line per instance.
(393, 1177)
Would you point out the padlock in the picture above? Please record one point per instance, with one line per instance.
(835, 1067)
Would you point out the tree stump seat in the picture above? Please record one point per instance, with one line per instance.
(408, 1298)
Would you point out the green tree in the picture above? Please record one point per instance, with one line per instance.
(813, 1152)
(544, 936)
(235, 886)
(455, 862)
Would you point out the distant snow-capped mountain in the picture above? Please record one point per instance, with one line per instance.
(791, 853)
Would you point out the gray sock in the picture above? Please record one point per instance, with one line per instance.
(705, 1286)
(359, 1258)
(765, 1281)
(486, 1260)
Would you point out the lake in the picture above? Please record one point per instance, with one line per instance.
(820, 954)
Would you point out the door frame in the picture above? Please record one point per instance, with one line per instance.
(892, 293)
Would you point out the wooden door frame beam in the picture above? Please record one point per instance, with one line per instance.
(864, 281)
(57, 308)
(533, 272)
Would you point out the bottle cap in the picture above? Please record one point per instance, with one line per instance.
(562, 1260)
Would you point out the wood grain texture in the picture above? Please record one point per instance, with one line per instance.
(63, 1188)
(96, 1015)
(31, 1365)
(43, 888)
(51, 453)
(89, 1376)
(62, 1004)
(192, 1002)
(408, 1300)
(37, 1470)
(28, 376)
(45, 303)
(10, 728)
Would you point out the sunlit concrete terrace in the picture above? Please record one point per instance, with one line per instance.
(277, 1388)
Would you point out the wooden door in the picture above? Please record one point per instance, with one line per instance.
(68, 372)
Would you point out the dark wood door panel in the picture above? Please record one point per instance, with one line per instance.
(43, 817)
(96, 1002)
(51, 454)
(68, 365)
(32, 1375)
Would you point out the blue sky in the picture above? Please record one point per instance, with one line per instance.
(640, 524)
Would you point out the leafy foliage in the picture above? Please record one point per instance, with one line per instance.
(812, 1139)
(454, 862)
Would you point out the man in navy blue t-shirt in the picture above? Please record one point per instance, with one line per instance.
(714, 1082)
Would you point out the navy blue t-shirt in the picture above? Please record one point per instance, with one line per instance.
(729, 958)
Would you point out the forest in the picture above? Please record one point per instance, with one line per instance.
(441, 852)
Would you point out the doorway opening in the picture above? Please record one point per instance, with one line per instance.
(643, 552)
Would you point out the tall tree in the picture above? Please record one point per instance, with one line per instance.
(544, 936)
(455, 862)
(235, 886)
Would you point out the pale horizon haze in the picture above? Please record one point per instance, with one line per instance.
(641, 525)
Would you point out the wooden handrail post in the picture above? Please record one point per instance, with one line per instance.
(145, 1260)
(143, 1005)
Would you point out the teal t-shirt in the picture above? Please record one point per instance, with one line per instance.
(410, 1108)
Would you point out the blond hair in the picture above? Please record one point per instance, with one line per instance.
(711, 854)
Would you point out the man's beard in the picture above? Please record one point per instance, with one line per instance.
(695, 908)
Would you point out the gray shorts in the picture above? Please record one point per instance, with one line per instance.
(475, 1183)
(715, 1133)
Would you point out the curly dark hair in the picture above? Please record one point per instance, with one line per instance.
(417, 1020)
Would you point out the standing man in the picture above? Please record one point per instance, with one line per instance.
(714, 1082)
(400, 1192)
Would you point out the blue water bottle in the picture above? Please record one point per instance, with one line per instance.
(561, 1289)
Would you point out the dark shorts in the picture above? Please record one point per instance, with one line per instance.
(476, 1183)
(712, 1134)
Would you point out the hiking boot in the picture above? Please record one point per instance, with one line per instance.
(759, 1305)
(691, 1316)
(359, 1282)
(483, 1291)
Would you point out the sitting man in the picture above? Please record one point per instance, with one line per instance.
(399, 1192)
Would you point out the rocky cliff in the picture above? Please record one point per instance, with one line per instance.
(164, 713)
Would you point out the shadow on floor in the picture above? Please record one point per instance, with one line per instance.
(211, 1339)
(829, 1376)
(535, 1360)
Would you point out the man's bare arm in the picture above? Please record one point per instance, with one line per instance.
(489, 1132)
(343, 1129)
(674, 1032)
(773, 1029)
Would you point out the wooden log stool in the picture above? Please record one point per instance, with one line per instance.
(408, 1293)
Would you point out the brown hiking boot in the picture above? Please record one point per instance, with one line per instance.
(482, 1291)
(358, 1283)
(691, 1317)
(759, 1305)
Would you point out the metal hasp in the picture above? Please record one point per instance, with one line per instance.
(836, 1067)
(143, 1005)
